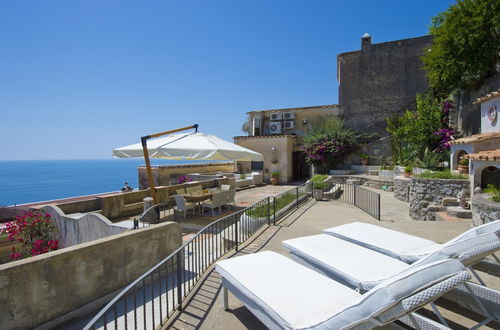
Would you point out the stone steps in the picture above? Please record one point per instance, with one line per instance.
(459, 212)
(449, 201)
(443, 216)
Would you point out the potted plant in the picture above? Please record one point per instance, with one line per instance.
(364, 159)
(275, 177)
(463, 166)
(408, 171)
(318, 188)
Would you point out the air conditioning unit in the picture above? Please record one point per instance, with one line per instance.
(276, 116)
(275, 127)
(289, 124)
(287, 115)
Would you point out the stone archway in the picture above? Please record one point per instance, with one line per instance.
(490, 175)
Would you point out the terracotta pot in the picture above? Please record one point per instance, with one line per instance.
(463, 169)
(364, 161)
(407, 174)
(274, 181)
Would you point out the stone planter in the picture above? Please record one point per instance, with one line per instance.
(318, 194)
(484, 209)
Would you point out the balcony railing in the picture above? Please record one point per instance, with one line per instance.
(152, 299)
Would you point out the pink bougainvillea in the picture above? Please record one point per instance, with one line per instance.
(35, 230)
(445, 133)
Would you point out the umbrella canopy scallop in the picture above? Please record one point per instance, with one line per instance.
(190, 146)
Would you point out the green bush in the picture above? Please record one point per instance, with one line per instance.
(465, 46)
(463, 162)
(320, 185)
(446, 174)
(414, 132)
(319, 177)
(262, 211)
(408, 169)
(387, 167)
(494, 192)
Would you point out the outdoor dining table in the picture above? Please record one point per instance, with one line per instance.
(198, 197)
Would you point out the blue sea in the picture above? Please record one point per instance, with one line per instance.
(41, 180)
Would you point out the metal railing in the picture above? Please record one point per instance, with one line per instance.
(151, 299)
(365, 199)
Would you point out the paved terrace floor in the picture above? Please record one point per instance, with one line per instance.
(204, 308)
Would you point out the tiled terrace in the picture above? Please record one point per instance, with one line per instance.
(204, 307)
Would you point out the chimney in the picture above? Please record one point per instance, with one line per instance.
(366, 41)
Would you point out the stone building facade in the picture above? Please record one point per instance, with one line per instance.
(278, 135)
(379, 80)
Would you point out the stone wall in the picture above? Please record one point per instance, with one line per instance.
(401, 188)
(379, 80)
(37, 290)
(426, 193)
(119, 205)
(164, 175)
(484, 209)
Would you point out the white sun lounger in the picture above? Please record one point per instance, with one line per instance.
(408, 248)
(286, 295)
(362, 269)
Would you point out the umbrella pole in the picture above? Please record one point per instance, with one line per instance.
(149, 172)
(144, 142)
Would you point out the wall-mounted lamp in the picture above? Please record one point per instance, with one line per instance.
(304, 121)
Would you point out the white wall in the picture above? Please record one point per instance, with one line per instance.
(486, 124)
(81, 227)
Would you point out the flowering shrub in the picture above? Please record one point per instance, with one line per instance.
(35, 230)
(184, 179)
(326, 151)
(328, 143)
(414, 133)
(445, 133)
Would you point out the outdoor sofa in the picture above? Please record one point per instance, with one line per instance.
(254, 178)
(286, 295)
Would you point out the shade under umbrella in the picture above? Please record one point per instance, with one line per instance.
(190, 146)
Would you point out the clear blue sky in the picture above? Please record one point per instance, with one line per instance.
(79, 78)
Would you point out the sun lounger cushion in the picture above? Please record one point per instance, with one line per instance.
(363, 268)
(345, 262)
(296, 297)
(387, 241)
(408, 248)
(292, 295)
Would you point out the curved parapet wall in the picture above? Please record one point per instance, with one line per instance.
(484, 209)
(81, 227)
(54, 287)
(426, 193)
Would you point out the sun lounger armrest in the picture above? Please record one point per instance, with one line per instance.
(424, 297)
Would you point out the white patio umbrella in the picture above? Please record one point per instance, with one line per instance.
(190, 146)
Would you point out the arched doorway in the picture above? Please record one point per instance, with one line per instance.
(456, 157)
(490, 175)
